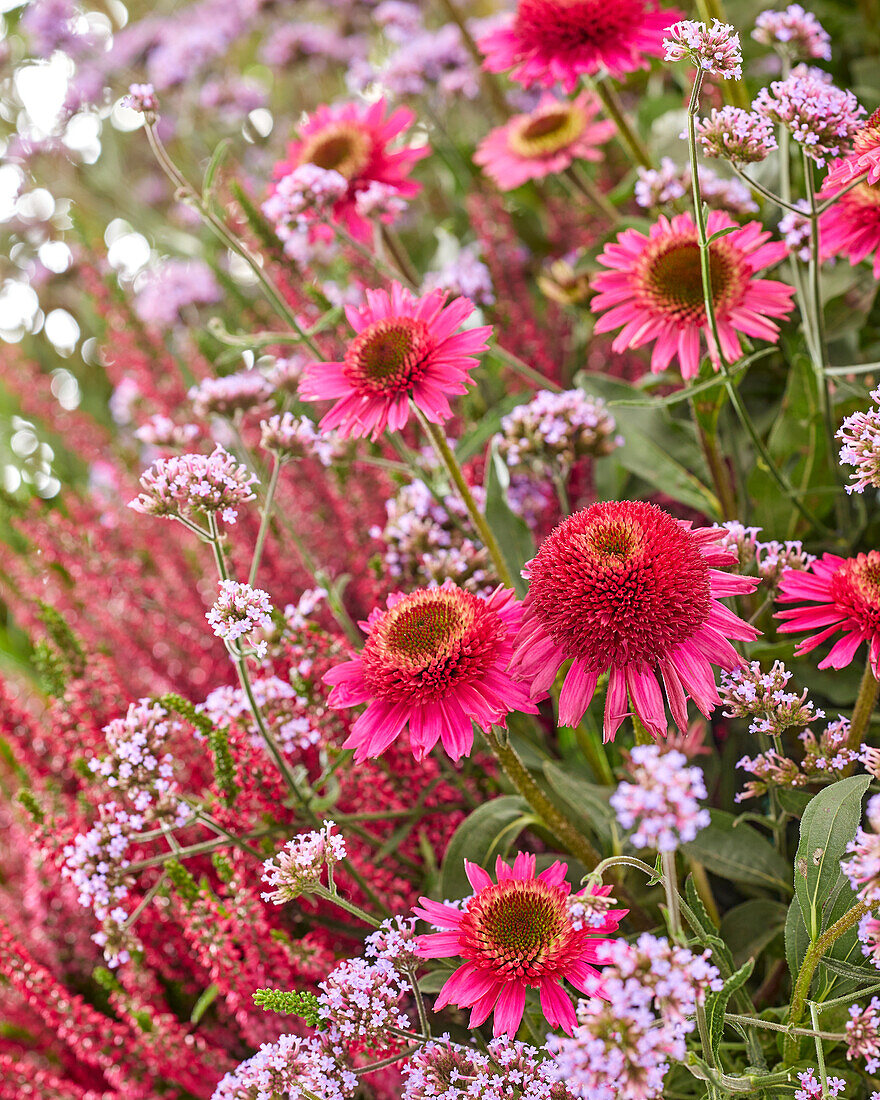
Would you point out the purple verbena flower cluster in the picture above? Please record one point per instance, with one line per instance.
(749, 692)
(179, 486)
(661, 804)
(299, 867)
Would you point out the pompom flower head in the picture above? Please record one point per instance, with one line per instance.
(743, 137)
(354, 140)
(624, 588)
(404, 347)
(543, 142)
(860, 437)
(822, 118)
(836, 595)
(654, 289)
(434, 661)
(714, 50)
(558, 41)
(514, 934)
(661, 805)
(794, 33)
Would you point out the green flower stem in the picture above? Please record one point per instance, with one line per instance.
(265, 520)
(820, 1053)
(522, 368)
(145, 901)
(768, 194)
(190, 195)
(348, 906)
(359, 1071)
(614, 109)
(819, 356)
(866, 701)
(450, 462)
(487, 79)
(828, 203)
(203, 848)
(810, 1033)
(556, 822)
(620, 861)
(582, 183)
(594, 751)
(808, 968)
(376, 262)
(400, 256)
(240, 661)
(848, 998)
(641, 734)
(709, 304)
(670, 885)
(720, 475)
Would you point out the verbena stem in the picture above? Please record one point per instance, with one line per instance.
(808, 968)
(866, 701)
(709, 304)
(450, 462)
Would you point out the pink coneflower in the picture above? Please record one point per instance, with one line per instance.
(543, 142)
(655, 290)
(852, 225)
(623, 587)
(434, 660)
(353, 139)
(404, 347)
(557, 41)
(838, 595)
(515, 934)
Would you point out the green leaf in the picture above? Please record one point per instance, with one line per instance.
(660, 450)
(586, 800)
(748, 928)
(740, 854)
(204, 1003)
(797, 939)
(488, 832)
(848, 970)
(716, 1003)
(828, 825)
(697, 908)
(217, 158)
(723, 233)
(793, 800)
(511, 530)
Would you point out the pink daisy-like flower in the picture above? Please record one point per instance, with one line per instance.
(557, 41)
(435, 661)
(851, 227)
(622, 587)
(353, 140)
(655, 290)
(515, 934)
(838, 595)
(404, 347)
(543, 142)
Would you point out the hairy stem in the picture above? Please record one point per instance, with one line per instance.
(808, 968)
(625, 131)
(866, 701)
(450, 462)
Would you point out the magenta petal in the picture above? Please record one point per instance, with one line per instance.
(509, 1008)
(557, 1007)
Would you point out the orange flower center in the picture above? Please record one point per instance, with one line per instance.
(339, 147)
(546, 131)
(388, 356)
(672, 281)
